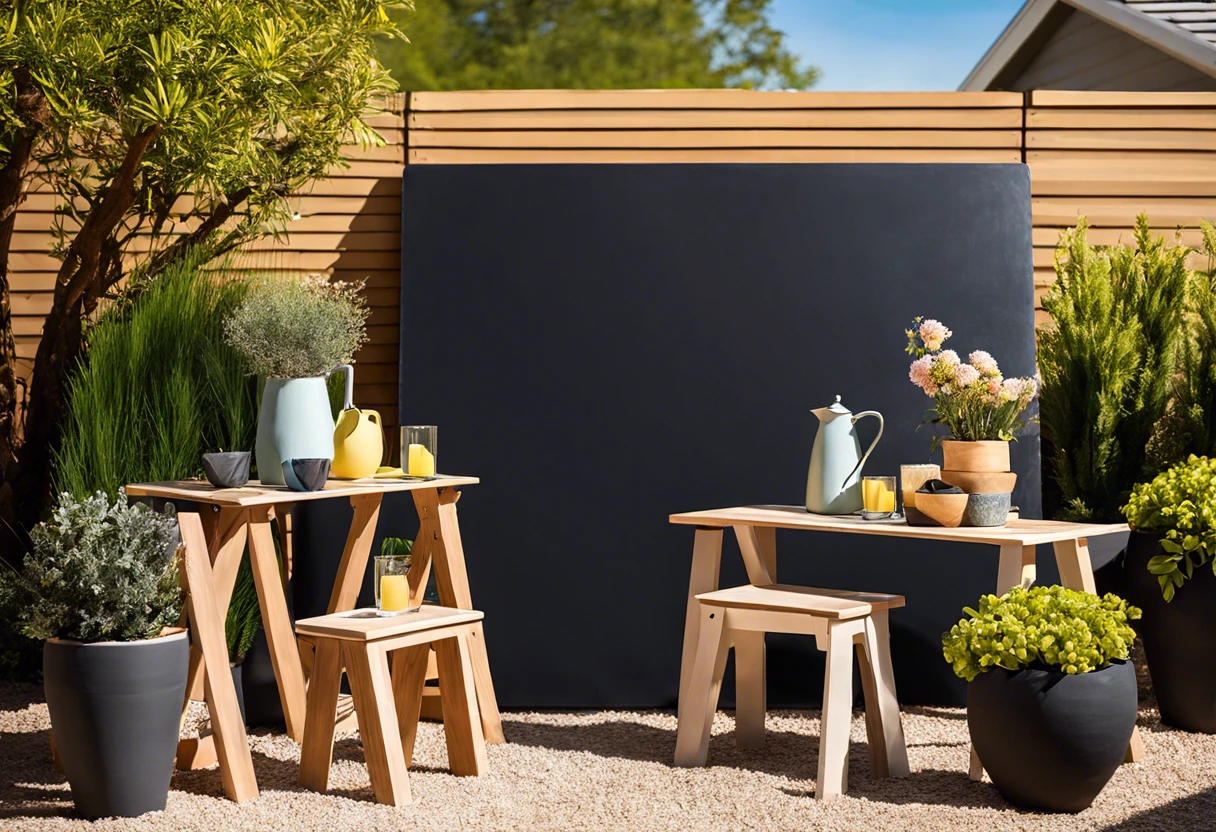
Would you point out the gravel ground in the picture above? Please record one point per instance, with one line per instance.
(608, 770)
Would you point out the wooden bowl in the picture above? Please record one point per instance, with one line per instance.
(991, 482)
(946, 509)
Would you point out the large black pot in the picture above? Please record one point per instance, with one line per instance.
(1049, 740)
(1177, 637)
(115, 710)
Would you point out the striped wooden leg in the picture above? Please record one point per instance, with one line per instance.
(697, 708)
(372, 689)
(317, 751)
(461, 720)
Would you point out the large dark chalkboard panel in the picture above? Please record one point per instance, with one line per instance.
(608, 344)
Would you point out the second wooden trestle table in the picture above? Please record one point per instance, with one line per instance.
(755, 528)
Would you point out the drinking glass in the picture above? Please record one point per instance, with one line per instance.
(912, 477)
(419, 450)
(392, 585)
(877, 497)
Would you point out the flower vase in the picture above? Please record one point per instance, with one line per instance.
(295, 422)
(980, 467)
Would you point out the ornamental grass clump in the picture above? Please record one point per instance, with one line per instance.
(972, 398)
(298, 328)
(99, 571)
(1180, 505)
(1048, 628)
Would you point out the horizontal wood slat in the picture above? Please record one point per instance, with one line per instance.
(700, 99)
(452, 156)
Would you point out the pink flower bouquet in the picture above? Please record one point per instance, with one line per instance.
(971, 398)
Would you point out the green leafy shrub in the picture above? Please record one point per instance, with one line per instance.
(396, 547)
(298, 328)
(1179, 503)
(1196, 403)
(244, 615)
(158, 387)
(1108, 360)
(100, 570)
(1044, 627)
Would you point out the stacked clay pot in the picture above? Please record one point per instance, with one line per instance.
(978, 467)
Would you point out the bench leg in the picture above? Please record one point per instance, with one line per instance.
(892, 747)
(372, 689)
(458, 697)
(409, 677)
(750, 694)
(317, 751)
(832, 781)
(697, 707)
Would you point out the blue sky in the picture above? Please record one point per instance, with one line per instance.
(892, 44)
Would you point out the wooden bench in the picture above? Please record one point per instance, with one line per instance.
(387, 702)
(839, 620)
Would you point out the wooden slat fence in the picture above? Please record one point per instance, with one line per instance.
(1104, 154)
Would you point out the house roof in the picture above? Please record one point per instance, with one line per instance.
(1183, 30)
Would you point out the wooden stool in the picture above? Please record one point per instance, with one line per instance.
(387, 705)
(838, 620)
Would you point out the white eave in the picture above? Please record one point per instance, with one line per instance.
(1165, 36)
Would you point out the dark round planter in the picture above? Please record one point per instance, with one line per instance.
(1177, 637)
(1051, 741)
(115, 710)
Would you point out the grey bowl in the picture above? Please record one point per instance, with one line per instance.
(986, 510)
(227, 470)
(306, 474)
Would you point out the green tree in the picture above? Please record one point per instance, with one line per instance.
(174, 120)
(592, 44)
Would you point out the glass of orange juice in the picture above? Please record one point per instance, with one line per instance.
(392, 584)
(877, 498)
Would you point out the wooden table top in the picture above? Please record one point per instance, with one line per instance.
(256, 494)
(1024, 532)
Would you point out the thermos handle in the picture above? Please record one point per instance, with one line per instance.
(870, 449)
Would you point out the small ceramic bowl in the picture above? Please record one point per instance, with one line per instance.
(306, 474)
(986, 510)
(946, 509)
(915, 518)
(227, 470)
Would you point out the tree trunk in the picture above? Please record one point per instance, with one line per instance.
(33, 112)
(76, 293)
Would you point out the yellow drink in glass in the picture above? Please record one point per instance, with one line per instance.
(877, 497)
(394, 593)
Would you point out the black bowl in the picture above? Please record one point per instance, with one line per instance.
(227, 470)
(306, 474)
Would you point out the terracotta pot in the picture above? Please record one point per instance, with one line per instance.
(990, 482)
(975, 456)
(946, 509)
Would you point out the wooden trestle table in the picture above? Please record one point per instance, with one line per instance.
(214, 537)
(755, 528)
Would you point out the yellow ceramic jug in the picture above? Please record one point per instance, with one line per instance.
(358, 438)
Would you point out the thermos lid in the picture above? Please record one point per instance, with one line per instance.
(837, 407)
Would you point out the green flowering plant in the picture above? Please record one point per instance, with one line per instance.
(99, 571)
(300, 327)
(1179, 503)
(1046, 627)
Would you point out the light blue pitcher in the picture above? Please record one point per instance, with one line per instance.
(295, 422)
(833, 483)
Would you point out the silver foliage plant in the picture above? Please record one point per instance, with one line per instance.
(298, 328)
(100, 571)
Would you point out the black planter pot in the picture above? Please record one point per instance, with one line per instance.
(1177, 637)
(240, 689)
(227, 470)
(1051, 741)
(115, 709)
(258, 691)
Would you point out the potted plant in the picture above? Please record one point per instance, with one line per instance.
(1168, 571)
(100, 586)
(1051, 697)
(293, 333)
(982, 409)
(241, 625)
